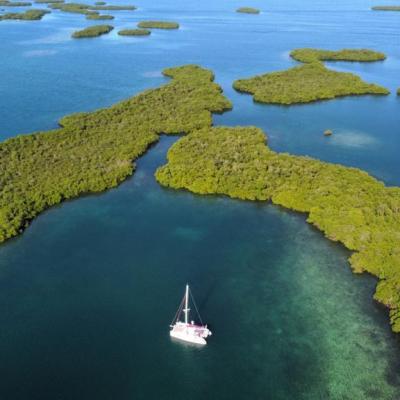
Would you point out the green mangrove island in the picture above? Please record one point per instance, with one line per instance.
(92, 152)
(98, 17)
(29, 15)
(49, 1)
(134, 32)
(102, 7)
(6, 3)
(76, 8)
(312, 55)
(347, 204)
(158, 25)
(386, 8)
(304, 84)
(311, 81)
(92, 31)
(248, 10)
(87, 9)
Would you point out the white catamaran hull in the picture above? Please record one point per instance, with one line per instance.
(187, 337)
(188, 332)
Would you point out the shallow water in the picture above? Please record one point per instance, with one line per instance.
(88, 291)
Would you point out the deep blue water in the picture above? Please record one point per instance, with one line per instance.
(88, 291)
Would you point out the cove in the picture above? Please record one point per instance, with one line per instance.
(96, 293)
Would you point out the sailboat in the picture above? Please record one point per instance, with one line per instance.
(188, 331)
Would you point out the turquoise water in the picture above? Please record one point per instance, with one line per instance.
(88, 291)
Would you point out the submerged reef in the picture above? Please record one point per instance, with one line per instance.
(92, 31)
(134, 32)
(312, 81)
(29, 15)
(347, 204)
(158, 25)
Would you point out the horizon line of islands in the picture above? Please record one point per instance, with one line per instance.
(92, 13)
(143, 29)
(95, 151)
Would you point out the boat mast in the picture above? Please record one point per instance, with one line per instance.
(186, 309)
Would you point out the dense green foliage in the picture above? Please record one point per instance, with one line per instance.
(248, 10)
(311, 55)
(347, 204)
(386, 8)
(92, 152)
(92, 31)
(49, 1)
(6, 3)
(87, 9)
(304, 84)
(312, 81)
(102, 7)
(76, 8)
(98, 17)
(158, 25)
(29, 15)
(134, 32)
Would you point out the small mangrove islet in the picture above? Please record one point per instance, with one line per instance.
(386, 8)
(158, 25)
(308, 55)
(347, 204)
(92, 31)
(87, 9)
(312, 81)
(29, 15)
(102, 7)
(49, 1)
(248, 10)
(134, 32)
(99, 17)
(6, 3)
(304, 84)
(75, 8)
(92, 152)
